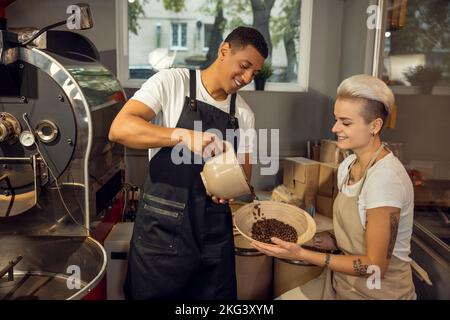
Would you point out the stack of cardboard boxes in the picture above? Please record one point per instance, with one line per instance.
(315, 182)
(328, 188)
(301, 175)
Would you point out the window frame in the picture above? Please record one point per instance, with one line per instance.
(122, 45)
(179, 47)
(378, 58)
(205, 49)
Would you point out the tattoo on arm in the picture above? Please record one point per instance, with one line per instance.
(394, 220)
(359, 268)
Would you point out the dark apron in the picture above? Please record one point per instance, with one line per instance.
(182, 245)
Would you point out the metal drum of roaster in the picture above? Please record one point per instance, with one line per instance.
(58, 171)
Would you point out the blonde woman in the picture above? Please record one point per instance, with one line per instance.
(372, 214)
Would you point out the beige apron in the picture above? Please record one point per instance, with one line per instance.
(350, 236)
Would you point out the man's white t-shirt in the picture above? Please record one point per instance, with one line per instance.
(387, 185)
(165, 94)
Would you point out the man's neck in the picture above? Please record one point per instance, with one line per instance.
(209, 78)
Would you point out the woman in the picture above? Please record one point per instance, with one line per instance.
(372, 214)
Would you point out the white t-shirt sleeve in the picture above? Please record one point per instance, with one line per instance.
(383, 189)
(246, 120)
(153, 92)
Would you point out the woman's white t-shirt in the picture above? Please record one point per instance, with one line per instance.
(387, 185)
(165, 94)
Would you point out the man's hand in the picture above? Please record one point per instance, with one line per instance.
(205, 144)
(221, 200)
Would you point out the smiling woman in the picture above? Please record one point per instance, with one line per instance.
(373, 212)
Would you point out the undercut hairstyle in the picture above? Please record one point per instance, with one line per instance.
(243, 36)
(377, 98)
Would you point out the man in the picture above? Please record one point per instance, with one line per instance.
(182, 245)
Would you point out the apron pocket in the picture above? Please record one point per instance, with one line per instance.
(160, 223)
(218, 224)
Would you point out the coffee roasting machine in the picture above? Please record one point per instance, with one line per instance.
(58, 171)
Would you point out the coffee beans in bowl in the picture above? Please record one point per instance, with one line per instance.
(256, 221)
(263, 230)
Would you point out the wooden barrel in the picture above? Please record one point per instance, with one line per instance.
(289, 274)
(254, 271)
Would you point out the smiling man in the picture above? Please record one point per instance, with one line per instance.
(182, 245)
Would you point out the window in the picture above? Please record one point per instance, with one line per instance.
(179, 36)
(417, 46)
(208, 28)
(193, 41)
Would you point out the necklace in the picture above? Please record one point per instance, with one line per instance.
(352, 176)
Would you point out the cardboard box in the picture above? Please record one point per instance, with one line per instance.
(329, 152)
(303, 170)
(305, 191)
(328, 179)
(288, 174)
(324, 205)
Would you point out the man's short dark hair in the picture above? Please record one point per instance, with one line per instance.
(243, 36)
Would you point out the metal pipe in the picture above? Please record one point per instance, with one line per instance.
(9, 268)
(15, 160)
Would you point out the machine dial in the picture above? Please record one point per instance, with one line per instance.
(27, 138)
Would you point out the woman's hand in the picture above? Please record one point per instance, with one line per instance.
(280, 249)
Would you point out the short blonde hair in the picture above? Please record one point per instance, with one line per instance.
(372, 89)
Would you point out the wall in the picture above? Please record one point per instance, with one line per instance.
(423, 129)
(357, 40)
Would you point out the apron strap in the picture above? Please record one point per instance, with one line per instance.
(233, 118)
(233, 104)
(193, 89)
(372, 160)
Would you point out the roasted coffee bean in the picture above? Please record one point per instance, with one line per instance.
(264, 229)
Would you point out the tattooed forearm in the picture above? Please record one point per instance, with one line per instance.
(359, 268)
(394, 220)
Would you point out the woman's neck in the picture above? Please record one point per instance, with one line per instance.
(365, 154)
(209, 78)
